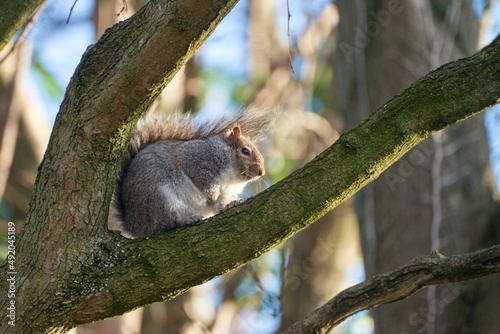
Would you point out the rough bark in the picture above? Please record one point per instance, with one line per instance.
(72, 270)
(110, 89)
(106, 14)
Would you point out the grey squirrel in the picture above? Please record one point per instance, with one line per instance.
(179, 170)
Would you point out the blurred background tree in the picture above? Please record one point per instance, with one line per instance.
(328, 66)
(441, 195)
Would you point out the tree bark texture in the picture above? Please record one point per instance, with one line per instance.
(110, 89)
(71, 270)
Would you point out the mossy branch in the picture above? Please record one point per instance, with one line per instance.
(14, 15)
(171, 263)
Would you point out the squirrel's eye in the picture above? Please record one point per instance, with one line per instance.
(245, 151)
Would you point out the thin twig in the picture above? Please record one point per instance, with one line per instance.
(124, 8)
(289, 38)
(71, 11)
(267, 296)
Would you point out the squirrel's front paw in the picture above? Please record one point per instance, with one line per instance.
(233, 203)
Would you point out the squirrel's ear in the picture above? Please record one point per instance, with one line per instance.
(235, 133)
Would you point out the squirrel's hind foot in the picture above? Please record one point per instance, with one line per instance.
(234, 203)
(192, 219)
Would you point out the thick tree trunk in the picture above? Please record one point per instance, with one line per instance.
(427, 200)
(111, 87)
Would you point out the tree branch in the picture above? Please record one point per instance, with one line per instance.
(72, 270)
(115, 82)
(398, 284)
(144, 271)
(14, 15)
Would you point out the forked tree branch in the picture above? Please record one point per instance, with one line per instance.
(398, 284)
(72, 270)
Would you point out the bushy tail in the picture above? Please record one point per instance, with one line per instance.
(254, 123)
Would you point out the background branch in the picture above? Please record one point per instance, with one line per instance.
(14, 15)
(399, 284)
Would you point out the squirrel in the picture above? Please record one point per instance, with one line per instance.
(179, 170)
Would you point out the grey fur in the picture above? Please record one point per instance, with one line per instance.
(178, 170)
